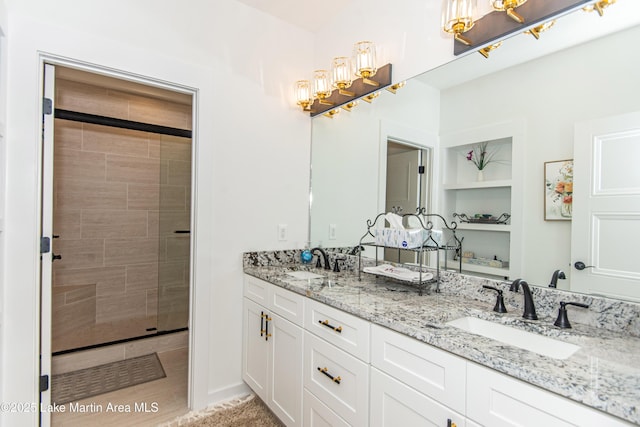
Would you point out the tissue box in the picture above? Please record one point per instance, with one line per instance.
(395, 238)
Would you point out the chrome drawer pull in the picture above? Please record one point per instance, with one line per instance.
(338, 329)
(334, 379)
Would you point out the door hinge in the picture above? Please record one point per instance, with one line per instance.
(47, 106)
(45, 245)
(44, 383)
(420, 169)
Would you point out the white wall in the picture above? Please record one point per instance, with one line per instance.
(3, 99)
(552, 93)
(251, 163)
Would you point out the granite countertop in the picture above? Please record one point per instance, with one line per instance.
(604, 373)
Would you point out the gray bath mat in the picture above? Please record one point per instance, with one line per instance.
(88, 382)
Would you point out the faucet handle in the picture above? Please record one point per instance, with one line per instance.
(336, 268)
(499, 307)
(563, 321)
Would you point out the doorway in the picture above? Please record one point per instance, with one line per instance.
(117, 197)
(407, 187)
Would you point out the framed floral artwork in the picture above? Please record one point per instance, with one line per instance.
(558, 190)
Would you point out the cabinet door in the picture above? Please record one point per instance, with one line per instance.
(255, 352)
(496, 400)
(285, 376)
(394, 403)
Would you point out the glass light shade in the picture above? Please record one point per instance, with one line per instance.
(341, 70)
(364, 57)
(458, 15)
(321, 84)
(303, 93)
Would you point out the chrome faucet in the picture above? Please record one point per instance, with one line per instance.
(529, 307)
(558, 274)
(325, 258)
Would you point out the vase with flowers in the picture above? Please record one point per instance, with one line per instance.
(480, 156)
(560, 189)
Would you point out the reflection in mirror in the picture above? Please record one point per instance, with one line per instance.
(549, 95)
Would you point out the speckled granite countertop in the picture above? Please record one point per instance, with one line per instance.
(604, 373)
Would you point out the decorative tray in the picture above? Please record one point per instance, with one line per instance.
(483, 218)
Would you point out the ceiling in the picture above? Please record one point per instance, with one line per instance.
(303, 13)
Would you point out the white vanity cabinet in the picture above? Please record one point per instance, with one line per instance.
(497, 400)
(414, 384)
(336, 366)
(273, 347)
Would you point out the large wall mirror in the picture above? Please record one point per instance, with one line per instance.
(589, 80)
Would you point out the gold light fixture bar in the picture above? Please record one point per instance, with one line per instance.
(395, 87)
(599, 6)
(358, 87)
(535, 31)
(496, 26)
(485, 51)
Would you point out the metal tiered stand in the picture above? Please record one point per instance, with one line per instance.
(426, 221)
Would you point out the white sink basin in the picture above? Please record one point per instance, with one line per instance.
(526, 340)
(304, 275)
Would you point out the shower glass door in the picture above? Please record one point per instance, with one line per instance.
(174, 233)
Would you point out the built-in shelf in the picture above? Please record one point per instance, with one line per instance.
(478, 184)
(474, 268)
(484, 227)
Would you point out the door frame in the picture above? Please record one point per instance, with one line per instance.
(46, 323)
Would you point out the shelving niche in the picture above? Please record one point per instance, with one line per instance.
(463, 193)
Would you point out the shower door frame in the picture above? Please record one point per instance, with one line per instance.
(46, 212)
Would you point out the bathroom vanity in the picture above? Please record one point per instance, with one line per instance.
(324, 348)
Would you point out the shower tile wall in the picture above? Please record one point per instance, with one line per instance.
(119, 196)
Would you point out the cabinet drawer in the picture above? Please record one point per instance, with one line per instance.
(317, 414)
(348, 392)
(256, 290)
(347, 332)
(392, 401)
(497, 400)
(286, 304)
(431, 371)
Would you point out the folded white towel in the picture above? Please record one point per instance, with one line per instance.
(398, 273)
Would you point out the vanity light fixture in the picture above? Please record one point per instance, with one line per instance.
(535, 31)
(509, 6)
(303, 95)
(327, 90)
(599, 6)
(496, 26)
(487, 49)
(364, 58)
(458, 18)
(342, 77)
(322, 86)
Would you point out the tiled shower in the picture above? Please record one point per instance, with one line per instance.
(121, 215)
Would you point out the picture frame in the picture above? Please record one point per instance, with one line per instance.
(558, 190)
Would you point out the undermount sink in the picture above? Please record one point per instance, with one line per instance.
(526, 340)
(304, 275)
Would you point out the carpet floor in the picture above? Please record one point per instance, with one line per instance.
(76, 385)
(246, 412)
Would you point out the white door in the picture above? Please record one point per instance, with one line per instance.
(606, 207)
(46, 256)
(403, 191)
